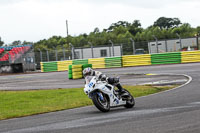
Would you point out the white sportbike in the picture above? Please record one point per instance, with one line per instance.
(104, 96)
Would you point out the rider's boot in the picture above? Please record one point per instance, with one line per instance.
(121, 90)
(115, 81)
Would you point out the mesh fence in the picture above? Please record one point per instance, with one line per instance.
(124, 47)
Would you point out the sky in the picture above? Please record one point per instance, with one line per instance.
(34, 20)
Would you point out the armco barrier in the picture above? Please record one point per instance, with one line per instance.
(125, 61)
(49, 66)
(113, 62)
(136, 60)
(97, 62)
(63, 65)
(190, 56)
(166, 58)
(80, 62)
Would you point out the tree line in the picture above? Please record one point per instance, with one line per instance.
(121, 32)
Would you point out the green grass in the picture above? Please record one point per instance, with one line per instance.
(24, 103)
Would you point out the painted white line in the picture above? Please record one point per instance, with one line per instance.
(189, 80)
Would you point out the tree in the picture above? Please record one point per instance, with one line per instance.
(96, 30)
(135, 27)
(18, 42)
(198, 29)
(1, 42)
(166, 23)
(120, 32)
(27, 43)
(118, 24)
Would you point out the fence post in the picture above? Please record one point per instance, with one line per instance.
(56, 53)
(91, 49)
(109, 51)
(121, 49)
(149, 47)
(47, 54)
(133, 43)
(156, 43)
(179, 41)
(82, 52)
(112, 47)
(40, 54)
(166, 45)
(197, 36)
(63, 52)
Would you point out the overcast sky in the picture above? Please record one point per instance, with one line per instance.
(34, 20)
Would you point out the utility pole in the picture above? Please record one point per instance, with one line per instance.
(72, 50)
(67, 27)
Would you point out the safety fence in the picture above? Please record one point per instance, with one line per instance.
(136, 60)
(126, 61)
(166, 58)
(190, 56)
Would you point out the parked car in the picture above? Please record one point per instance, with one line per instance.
(139, 51)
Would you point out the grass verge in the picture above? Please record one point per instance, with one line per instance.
(24, 103)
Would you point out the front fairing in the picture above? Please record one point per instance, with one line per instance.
(93, 85)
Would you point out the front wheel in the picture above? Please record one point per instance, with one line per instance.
(101, 101)
(130, 101)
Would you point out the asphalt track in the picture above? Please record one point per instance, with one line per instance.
(175, 111)
(60, 80)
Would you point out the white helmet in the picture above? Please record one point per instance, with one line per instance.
(87, 72)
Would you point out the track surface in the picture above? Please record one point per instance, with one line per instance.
(60, 80)
(175, 111)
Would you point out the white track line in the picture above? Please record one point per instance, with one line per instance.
(189, 80)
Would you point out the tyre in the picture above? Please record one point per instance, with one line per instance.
(70, 76)
(77, 69)
(130, 102)
(70, 67)
(76, 66)
(102, 105)
(70, 71)
(86, 66)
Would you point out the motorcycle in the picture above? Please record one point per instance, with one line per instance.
(104, 95)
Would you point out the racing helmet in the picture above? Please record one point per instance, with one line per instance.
(87, 72)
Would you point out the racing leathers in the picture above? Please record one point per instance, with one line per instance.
(110, 80)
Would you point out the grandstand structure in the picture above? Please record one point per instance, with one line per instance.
(18, 58)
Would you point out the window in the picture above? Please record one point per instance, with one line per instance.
(152, 44)
(103, 52)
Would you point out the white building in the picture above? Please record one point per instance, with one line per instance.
(173, 45)
(97, 52)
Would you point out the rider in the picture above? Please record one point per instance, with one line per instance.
(113, 81)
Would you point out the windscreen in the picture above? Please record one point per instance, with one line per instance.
(88, 79)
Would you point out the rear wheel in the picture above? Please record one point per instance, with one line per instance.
(130, 101)
(101, 101)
